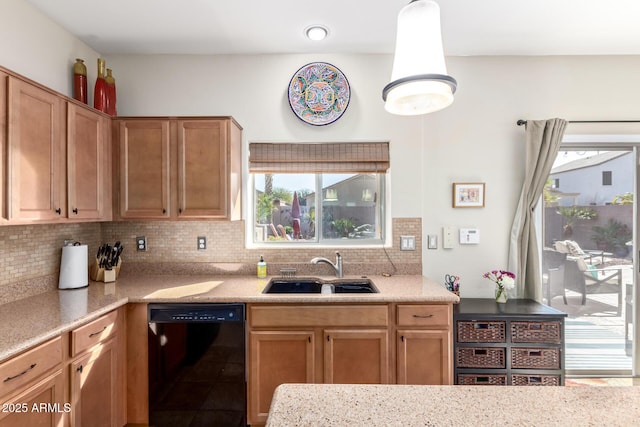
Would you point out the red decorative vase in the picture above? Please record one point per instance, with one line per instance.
(100, 90)
(111, 93)
(80, 81)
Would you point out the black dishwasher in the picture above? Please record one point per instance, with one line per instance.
(197, 364)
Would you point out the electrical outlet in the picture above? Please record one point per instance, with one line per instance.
(407, 243)
(141, 243)
(202, 243)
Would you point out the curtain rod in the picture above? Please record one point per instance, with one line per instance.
(524, 122)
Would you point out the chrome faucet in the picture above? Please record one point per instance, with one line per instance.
(337, 266)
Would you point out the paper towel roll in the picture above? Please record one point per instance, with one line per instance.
(74, 267)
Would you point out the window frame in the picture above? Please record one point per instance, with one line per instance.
(384, 209)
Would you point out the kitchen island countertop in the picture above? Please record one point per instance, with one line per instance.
(406, 405)
(30, 321)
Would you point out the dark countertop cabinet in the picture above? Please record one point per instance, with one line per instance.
(520, 342)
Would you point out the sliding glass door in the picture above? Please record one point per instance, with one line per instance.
(589, 222)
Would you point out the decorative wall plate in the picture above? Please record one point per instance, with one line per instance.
(319, 93)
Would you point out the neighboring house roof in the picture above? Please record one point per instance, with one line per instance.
(588, 161)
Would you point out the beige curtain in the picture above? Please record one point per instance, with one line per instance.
(543, 138)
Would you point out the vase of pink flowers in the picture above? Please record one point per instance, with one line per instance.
(504, 280)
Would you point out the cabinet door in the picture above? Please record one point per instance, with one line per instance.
(93, 387)
(356, 356)
(41, 404)
(86, 163)
(276, 357)
(423, 357)
(202, 168)
(36, 154)
(144, 168)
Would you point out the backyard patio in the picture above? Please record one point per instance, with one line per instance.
(598, 333)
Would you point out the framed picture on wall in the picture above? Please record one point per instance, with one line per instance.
(468, 194)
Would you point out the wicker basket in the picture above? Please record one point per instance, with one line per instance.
(480, 357)
(535, 380)
(480, 379)
(476, 331)
(536, 332)
(535, 358)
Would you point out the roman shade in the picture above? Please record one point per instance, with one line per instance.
(334, 157)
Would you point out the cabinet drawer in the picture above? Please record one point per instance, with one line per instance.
(313, 315)
(536, 332)
(481, 331)
(92, 333)
(551, 380)
(482, 379)
(535, 358)
(23, 369)
(481, 357)
(424, 315)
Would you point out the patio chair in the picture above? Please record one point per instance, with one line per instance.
(586, 279)
(573, 249)
(553, 274)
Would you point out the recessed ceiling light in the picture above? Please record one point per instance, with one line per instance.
(316, 32)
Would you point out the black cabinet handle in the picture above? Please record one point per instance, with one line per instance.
(164, 211)
(79, 369)
(426, 316)
(58, 211)
(75, 211)
(20, 374)
(91, 335)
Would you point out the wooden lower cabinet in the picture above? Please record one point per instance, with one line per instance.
(345, 344)
(277, 357)
(75, 379)
(356, 356)
(93, 387)
(424, 344)
(41, 404)
(423, 357)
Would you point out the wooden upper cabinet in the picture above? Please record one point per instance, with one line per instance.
(179, 168)
(202, 168)
(144, 168)
(88, 164)
(35, 154)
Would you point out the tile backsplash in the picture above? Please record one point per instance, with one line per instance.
(30, 258)
(31, 253)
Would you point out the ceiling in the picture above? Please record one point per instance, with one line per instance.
(469, 27)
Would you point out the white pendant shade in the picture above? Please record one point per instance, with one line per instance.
(419, 80)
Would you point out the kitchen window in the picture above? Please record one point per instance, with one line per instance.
(332, 193)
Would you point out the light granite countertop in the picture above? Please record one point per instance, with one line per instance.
(30, 321)
(406, 405)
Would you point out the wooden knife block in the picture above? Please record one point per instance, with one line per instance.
(97, 273)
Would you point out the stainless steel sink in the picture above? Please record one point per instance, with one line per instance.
(317, 286)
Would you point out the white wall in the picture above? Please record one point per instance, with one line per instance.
(475, 139)
(34, 46)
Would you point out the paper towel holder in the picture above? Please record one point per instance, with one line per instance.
(74, 266)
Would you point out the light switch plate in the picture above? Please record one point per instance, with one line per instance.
(447, 237)
(432, 241)
(407, 243)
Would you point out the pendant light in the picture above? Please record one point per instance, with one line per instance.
(419, 80)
